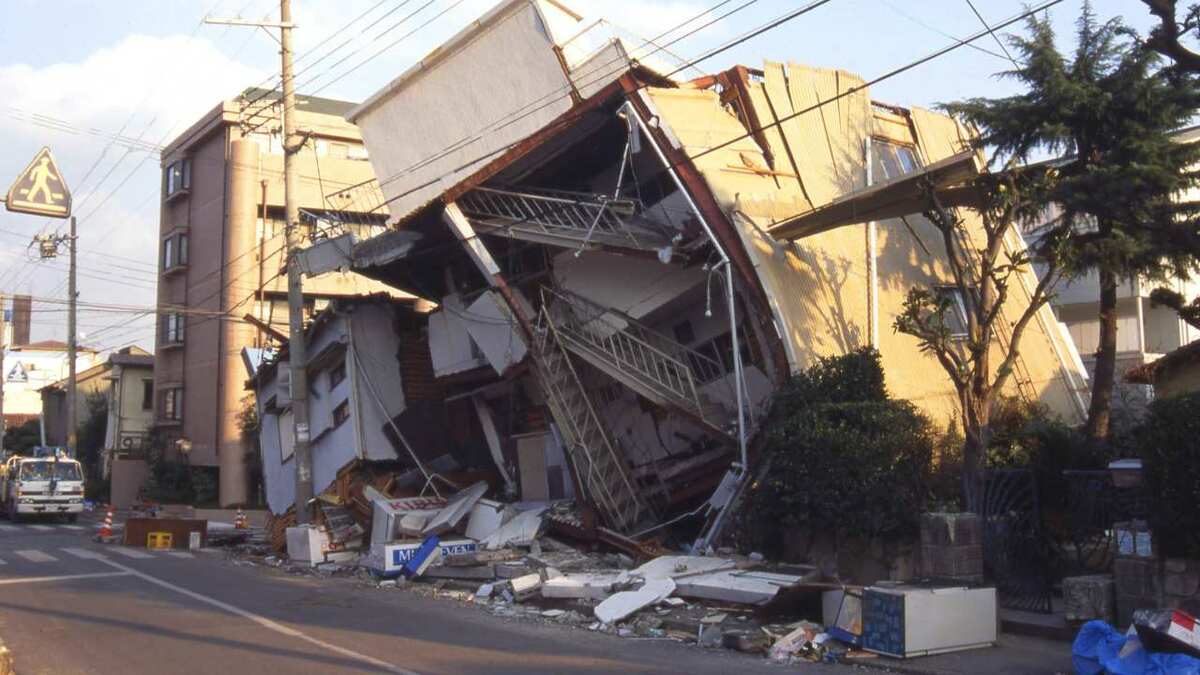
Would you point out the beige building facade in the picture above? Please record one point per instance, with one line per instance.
(222, 287)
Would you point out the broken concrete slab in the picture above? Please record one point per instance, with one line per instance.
(512, 570)
(455, 510)
(678, 566)
(481, 557)
(477, 573)
(486, 517)
(621, 605)
(582, 585)
(744, 587)
(521, 530)
(413, 523)
(525, 586)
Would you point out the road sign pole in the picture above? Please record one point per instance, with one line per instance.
(72, 404)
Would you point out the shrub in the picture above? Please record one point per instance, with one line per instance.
(1169, 445)
(844, 457)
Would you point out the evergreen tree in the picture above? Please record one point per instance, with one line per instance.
(1109, 111)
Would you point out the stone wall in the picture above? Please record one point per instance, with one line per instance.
(1154, 583)
(952, 546)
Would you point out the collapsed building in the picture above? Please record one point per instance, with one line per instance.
(627, 261)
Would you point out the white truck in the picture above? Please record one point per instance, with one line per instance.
(49, 483)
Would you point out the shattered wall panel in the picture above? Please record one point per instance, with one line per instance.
(495, 332)
(818, 286)
(429, 127)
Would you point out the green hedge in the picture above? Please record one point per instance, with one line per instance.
(1169, 445)
(843, 456)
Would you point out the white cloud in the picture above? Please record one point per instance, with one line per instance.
(152, 88)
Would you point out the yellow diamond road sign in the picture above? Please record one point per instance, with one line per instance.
(40, 189)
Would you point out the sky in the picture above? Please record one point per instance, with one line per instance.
(103, 82)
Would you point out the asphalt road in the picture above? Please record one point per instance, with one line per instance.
(68, 605)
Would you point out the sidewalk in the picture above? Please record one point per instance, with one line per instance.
(1012, 655)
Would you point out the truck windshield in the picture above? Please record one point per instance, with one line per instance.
(48, 470)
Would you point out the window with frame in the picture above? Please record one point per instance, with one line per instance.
(341, 413)
(173, 328)
(337, 374)
(891, 160)
(147, 394)
(175, 251)
(955, 316)
(172, 404)
(177, 177)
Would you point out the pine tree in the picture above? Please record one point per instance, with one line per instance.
(1109, 110)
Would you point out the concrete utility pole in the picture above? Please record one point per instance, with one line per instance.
(72, 404)
(297, 360)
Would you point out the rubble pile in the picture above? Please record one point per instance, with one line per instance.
(514, 561)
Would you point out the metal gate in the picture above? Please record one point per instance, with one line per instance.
(1016, 554)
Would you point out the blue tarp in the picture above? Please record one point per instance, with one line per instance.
(1100, 649)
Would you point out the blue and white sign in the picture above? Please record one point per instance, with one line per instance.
(396, 555)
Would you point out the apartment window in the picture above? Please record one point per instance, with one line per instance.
(172, 404)
(358, 151)
(177, 177)
(341, 413)
(337, 374)
(147, 394)
(175, 251)
(173, 327)
(955, 316)
(890, 160)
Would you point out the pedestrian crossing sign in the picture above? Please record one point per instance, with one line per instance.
(40, 189)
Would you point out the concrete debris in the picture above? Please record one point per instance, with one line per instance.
(523, 587)
(679, 566)
(791, 644)
(486, 517)
(620, 605)
(484, 593)
(478, 572)
(710, 637)
(455, 509)
(520, 531)
(744, 587)
(482, 557)
(592, 586)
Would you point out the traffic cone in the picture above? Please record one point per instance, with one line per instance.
(239, 521)
(106, 526)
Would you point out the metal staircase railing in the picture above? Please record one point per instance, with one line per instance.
(581, 218)
(601, 467)
(633, 349)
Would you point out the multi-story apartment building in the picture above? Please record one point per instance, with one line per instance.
(221, 258)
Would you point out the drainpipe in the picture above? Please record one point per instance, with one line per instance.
(872, 269)
(739, 473)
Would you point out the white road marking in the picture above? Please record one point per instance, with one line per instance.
(262, 621)
(73, 527)
(131, 553)
(180, 554)
(84, 553)
(9, 528)
(65, 577)
(34, 555)
(2, 562)
(43, 528)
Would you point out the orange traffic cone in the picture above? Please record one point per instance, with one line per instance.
(239, 521)
(106, 526)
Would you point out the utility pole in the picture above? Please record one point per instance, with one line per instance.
(297, 359)
(72, 404)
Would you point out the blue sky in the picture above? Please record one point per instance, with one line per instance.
(146, 69)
